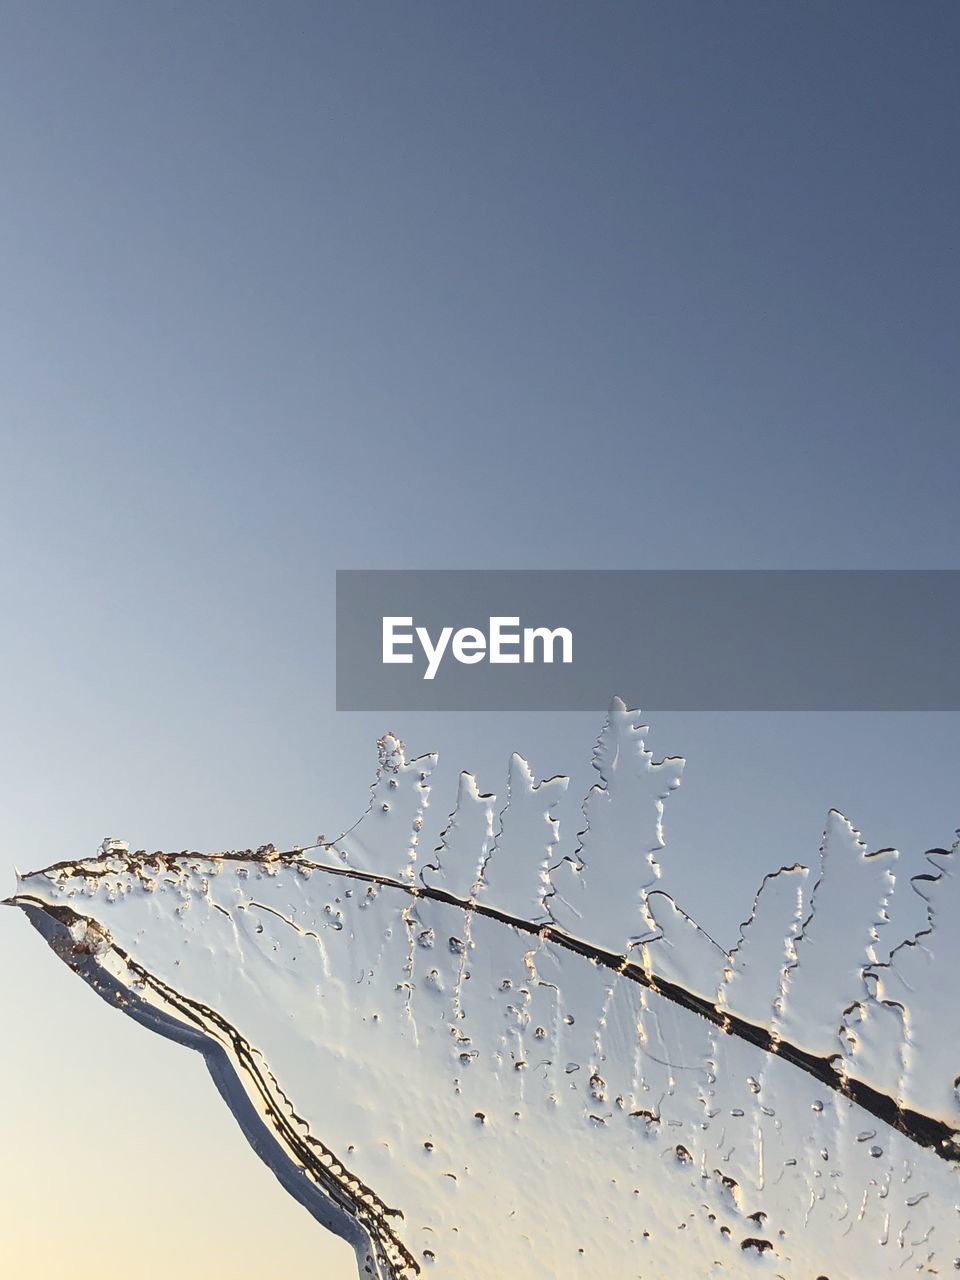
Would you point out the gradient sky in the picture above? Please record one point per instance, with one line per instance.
(293, 287)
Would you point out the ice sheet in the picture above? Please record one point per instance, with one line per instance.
(473, 1056)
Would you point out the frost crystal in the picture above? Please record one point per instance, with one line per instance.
(507, 1059)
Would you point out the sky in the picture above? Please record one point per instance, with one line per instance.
(295, 287)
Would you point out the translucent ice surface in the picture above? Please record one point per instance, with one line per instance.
(484, 1050)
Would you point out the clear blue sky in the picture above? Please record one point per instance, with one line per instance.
(292, 287)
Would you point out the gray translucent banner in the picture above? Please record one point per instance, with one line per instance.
(682, 640)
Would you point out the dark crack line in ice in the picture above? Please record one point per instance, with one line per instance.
(924, 1130)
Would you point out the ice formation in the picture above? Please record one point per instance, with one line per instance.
(508, 1058)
